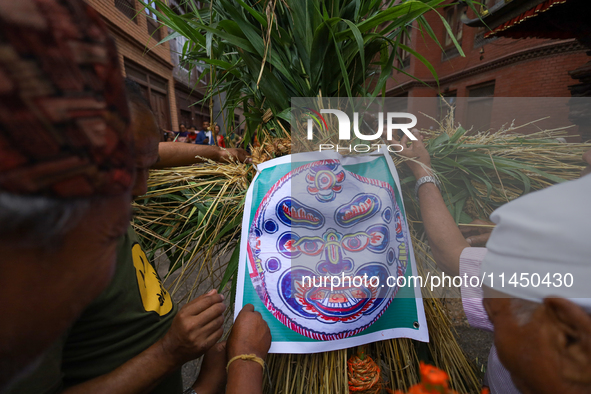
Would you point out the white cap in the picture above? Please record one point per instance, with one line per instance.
(545, 237)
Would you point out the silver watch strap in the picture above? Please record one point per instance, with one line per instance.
(426, 179)
(189, 391)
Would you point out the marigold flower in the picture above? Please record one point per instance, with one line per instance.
(433, 376)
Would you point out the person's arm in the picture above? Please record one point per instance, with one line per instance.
(245, 377)
(196, 328)
(250, 335)
(445, 239)
(176, 155)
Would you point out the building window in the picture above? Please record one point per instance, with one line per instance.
(153, 25)
(194, 66)
(404, 56)
(191, 109)
(480, 105)
(127, 7)
(180, 45)
(186, 65)
(453, 16)
(155, 90)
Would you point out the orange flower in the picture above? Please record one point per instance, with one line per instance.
(420, 389)
(485, 391)
(433, 376)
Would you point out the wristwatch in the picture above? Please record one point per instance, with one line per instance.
(189, 391)
(426, 179)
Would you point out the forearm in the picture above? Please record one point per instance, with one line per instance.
(173, 154)
(245, 377)
(445, 238)
(139, 375)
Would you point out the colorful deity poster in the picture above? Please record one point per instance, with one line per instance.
(315, 225)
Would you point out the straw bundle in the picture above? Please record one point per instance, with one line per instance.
(192, 215)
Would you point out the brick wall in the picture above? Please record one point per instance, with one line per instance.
(521, 68)
(135, 44)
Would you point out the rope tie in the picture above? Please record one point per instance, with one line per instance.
(247, 357)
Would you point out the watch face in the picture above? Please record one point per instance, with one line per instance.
(317, 224)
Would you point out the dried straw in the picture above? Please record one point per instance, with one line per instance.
(192, 215)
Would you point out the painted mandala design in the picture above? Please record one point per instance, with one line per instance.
(324, 182)
(340, 224)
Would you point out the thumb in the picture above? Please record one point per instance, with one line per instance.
(247, 308)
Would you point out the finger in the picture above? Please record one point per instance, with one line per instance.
(221, 346)
(210, 341)
(204, 301)
(209, 315)
(404, 140)
(248, 160)
(468, 231)
(247, 308)
(215, 336)
(201, 304)
(480, 221)
(417, 134)
(478, 240)
(212, 326)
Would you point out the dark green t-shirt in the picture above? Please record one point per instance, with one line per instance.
(131, 314)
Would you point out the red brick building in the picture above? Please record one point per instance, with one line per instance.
(501, 67)
(170, 86)
(494, 67)
(135, 31)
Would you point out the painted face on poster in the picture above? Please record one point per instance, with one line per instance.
(321, 246)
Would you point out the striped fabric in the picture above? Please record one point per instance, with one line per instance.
(498, 378)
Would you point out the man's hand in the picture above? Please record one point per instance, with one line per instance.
(250, 334)
(477, 236)
(237, 154)
(421, 163)
(197, 327)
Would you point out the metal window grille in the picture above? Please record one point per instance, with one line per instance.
(127, 7)
(153, 24)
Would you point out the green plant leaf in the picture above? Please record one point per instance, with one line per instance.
(231, 269)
